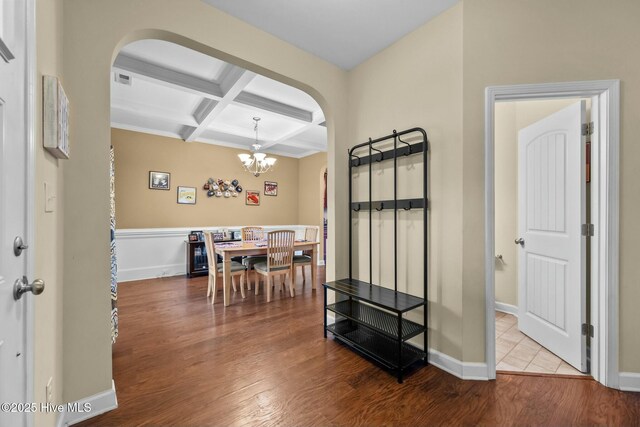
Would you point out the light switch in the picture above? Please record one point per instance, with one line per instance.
(49, 198)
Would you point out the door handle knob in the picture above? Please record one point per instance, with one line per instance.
(520, 241)
(22, 286)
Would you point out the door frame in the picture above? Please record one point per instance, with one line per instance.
(605, 180)
(30, 234)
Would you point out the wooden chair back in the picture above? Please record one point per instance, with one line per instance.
(212, 258)
(280, 248)
(310, 235)
(252, 234)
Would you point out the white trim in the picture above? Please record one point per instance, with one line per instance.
(507, 308)
(132, 233)
(151, 272)
(629, 381)
(161, 252)
(30, 76)
(463, 370)
(604, 303)
(100, 403)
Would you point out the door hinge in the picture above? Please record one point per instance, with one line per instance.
(587, 129)
(587, 230)
(587, 329)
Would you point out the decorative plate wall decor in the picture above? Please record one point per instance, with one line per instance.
(222, 187)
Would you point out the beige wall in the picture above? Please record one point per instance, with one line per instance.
(49, 227)
(503, 45)
(191, 164)
(417, 82)
(311, 191)
(510, 117)
(94, 31)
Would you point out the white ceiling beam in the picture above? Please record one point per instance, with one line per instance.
(237, 140)
(267, 104)
(234, 80)
(318, 118)
(167, 77)
(135, 109)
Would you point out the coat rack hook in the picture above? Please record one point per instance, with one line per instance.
(381, 207)
(407, 144)
(358, 208)
(379, 159)
(409, 208)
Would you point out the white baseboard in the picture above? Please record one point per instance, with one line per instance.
(629, 381)
(88, 407)
(507, 308)
(156, 271)
(463, 370)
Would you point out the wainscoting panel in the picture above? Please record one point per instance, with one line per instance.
(151, 253)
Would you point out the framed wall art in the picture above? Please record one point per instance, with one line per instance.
(270, 188)
(187, 195)
(253, 198)
(159, 180)
(55, 118)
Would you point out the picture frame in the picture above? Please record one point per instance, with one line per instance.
(159, 180)
(186, 195)
(270, 188)
(55, 118)
(252, 198)
(217, 236)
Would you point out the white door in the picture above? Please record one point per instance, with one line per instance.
(551, 211)
(13, 209)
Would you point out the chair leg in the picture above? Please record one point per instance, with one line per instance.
(291, 285)
(214, 288)
(242, 285)
(304, 277)
(233, 283)
(268, 283)
(247, 279)
(209, 286)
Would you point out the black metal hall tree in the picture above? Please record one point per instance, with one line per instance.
(370, 318)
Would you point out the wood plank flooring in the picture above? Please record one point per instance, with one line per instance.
(181, 362)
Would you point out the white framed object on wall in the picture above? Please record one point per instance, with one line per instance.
(56, 118)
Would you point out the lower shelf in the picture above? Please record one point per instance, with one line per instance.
(375, 345)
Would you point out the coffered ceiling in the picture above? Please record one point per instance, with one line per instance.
(162, 88)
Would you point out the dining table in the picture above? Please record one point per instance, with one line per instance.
(235, 249)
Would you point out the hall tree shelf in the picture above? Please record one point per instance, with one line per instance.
(370, 318)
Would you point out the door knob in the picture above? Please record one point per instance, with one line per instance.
(22, 285)
(520, 241)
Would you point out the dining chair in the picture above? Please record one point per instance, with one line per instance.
(310, 235)
(252, 235)
(216, 270)
(279, 260)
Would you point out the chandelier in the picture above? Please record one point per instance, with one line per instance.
(257, 162)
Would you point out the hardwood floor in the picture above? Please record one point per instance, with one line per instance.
(181, 362)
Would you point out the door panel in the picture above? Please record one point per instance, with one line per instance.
(13, 156)
(551, 206)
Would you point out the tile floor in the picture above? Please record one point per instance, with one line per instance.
(517, 352)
